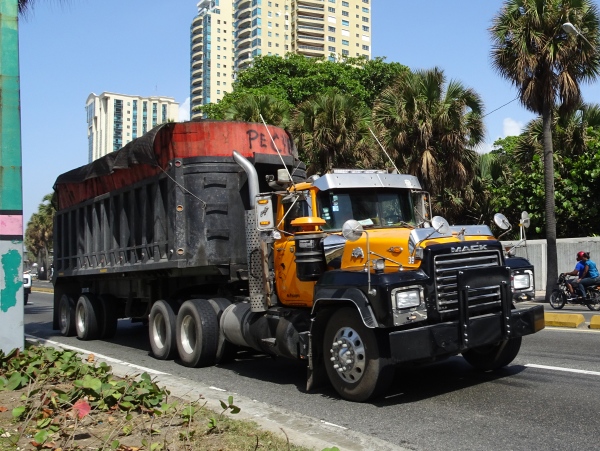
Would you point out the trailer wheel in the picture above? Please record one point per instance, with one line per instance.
(352, 357)
(162, 326)
(66, 315)
(110, 315)
(87, 314)
(226, 351)
(492, 357)
(197, 333)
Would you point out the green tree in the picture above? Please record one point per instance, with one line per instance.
(295, 79)
(250, 107)
(332, 130)
(431, 127)
(39, 231)
(533, 51)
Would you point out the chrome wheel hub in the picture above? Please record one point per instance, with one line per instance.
(348, 355)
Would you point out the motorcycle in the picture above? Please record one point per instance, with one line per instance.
(561, 296)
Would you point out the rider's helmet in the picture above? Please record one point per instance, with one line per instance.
(580, 255)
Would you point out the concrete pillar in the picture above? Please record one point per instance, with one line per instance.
(11, 186)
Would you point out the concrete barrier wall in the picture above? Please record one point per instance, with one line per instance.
(535, 251)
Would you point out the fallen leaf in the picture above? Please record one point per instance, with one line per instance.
(3, 409)
(91, 358)
(82, 408)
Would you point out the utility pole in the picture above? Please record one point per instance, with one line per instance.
(11, 185)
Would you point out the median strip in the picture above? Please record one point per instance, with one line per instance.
(595, 322)
(564, 319)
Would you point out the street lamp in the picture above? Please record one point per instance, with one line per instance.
(572, 29)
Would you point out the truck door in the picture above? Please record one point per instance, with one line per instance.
(290, 290)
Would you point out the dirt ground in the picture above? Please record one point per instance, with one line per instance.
(129, 431)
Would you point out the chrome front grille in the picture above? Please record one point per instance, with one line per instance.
(481, 300)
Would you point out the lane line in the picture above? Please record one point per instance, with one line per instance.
(566, 370)
(96, 355)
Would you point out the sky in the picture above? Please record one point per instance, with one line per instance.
(72, 48)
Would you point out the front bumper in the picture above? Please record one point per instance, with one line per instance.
(447, 339)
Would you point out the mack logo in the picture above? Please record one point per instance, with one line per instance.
(474, 247)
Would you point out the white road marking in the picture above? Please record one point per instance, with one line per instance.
(96, 355)
(566, 370)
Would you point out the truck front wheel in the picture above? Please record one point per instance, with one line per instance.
(161, 330)
(197, 333)
(353, 357)
(492, 357)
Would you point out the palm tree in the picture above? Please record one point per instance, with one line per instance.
(251, 106)
(534, 52)
(332, 130)
(39, 231)
(432, 128)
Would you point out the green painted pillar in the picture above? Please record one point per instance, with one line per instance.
(11, 185)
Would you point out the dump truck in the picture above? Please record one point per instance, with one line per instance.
(212, 234)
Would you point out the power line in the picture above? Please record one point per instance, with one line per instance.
(500, 107)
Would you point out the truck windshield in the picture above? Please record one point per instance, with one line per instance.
(372, 208)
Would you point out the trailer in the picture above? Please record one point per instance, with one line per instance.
(212, 234)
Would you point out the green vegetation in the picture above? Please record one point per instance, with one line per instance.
(51, 399)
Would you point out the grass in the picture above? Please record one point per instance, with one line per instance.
(51, 399)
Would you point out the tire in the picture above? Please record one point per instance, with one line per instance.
(110, 316)
(367, 375)
(197, 333)
(226, 351)
(594, 301)
(88, 317)
(162, 323)
(66, 315)
(493, 357)
(557, 299)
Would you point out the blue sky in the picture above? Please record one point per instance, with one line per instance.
(72, 48)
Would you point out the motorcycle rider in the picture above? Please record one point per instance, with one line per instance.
(591, 276)
(578, 271)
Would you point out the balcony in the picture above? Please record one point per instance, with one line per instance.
(310, 50)
(243, 34)
(240, 15)
(197, 90)
(197, 47)
(310, 8)
(309, 19)
(197, 72)
(310, 29)
(242, 44)
(244, 23)
(196, 64)
(242, 4)
(310, 38)
(198, 30)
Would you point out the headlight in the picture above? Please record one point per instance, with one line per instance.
(521, 281)
(404, 298)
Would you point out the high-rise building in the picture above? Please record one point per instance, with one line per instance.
(116, 119)
(236, 31)
(212, 54)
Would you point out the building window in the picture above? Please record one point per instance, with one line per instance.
(345, 42)
(331, 48)
(330, 9)
(346, 4)
(331, 29)
(331, 38)
(365, 47)
(365, 28)
(345, 14)
(365, 19)
(345, 52)
(346, 23)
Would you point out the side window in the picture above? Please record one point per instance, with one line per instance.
(295, 210)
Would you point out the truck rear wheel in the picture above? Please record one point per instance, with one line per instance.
(66, 315)
(87, 314)
(197, 333)
(161, 330)
(226, 351)
(492, 357)
(352, 357)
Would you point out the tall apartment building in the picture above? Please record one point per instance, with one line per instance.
(332, 29)
(116, 119)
